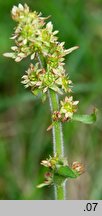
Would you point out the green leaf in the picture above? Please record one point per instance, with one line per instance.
(86, 119)
(66, 172)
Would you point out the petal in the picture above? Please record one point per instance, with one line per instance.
(70, 50)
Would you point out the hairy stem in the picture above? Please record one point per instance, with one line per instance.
(58, 148)
(58, 145)
(60, 192)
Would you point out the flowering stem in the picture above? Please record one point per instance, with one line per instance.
(36, 38)
(58, 148)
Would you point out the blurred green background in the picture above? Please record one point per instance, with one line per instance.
(24, 141)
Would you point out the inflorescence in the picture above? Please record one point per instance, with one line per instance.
(35, 38)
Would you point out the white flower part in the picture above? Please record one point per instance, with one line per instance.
(71, 50)
(21, 16)
(14, 48)
(26, 86)
(26, 8)
(32, 56)
(78, 168)
(13, 37)
(39, 14)
(14, 10)
(63, 110)
(22, 55)
(10, 55)
(20, 6)
(45, 89)
(38, 83)
(69, 81)
(57, 71)
(68, 114)
(45, 163)
(25, 81)
(75, 102)
(24, 41)
(49, 26)
(62, 44)
(68, 99)
(59, 81)
(55, 32)
(18, 59)
(24, 77)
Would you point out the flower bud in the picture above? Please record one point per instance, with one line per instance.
(78, 167)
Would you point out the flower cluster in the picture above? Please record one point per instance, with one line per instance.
(36, 38)
(67, 109)
(48, 180)
(26, 32)
(59, 170)
(40, 80)
(53, 162)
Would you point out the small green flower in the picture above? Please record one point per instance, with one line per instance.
(31, 79)
(68, 107)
